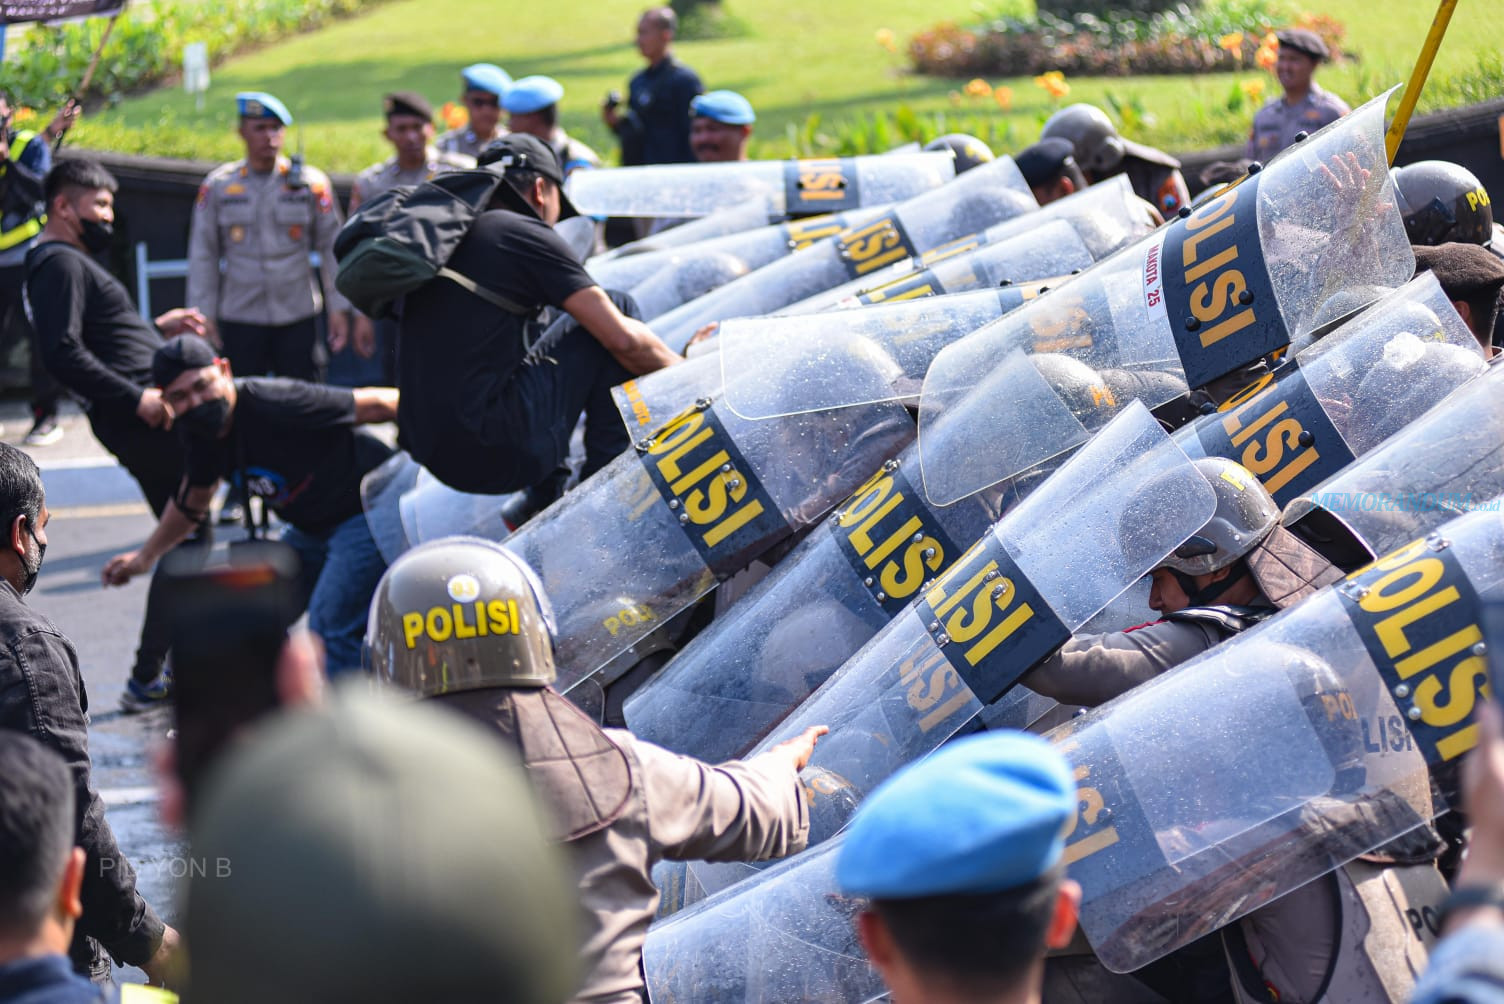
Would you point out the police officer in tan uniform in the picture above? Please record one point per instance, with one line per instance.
(485, 85)
(255, 223)
(1304, 106)
(409, 128)
(464, 622)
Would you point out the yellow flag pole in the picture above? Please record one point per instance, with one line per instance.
(1418, 78)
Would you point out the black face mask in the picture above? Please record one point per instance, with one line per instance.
(205, 420)
(33, 569)
(97, 236)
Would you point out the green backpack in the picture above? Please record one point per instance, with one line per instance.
(404, 237)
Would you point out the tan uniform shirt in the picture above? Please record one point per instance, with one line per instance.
(1093, 669)
(250, 241)
(683, 810)
(387, 175)
(464, 142)
(1276, 125)
(571, 152)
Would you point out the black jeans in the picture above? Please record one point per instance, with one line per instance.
(15, 325)
(155, 459)
(288, 350)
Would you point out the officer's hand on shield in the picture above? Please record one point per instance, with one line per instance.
(1348, 179)
(800, 748)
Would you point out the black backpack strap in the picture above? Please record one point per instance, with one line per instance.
(493, 298)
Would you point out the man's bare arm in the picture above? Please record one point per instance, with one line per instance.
(375, 404)
(631, 342)
(175, 527)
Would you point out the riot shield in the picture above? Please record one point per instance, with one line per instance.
(1203, 794)
(1446, 462)
(1106, 217)
(734, 219)
(381, 492)
(785, 188)
(850, 577)
(982, 196)
(432, 509)
(695, 500)
(1225, 285)
(1344, 395)
(1107, 517)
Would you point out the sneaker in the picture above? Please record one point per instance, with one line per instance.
(44, 432)
(231, 513)
(139, 697)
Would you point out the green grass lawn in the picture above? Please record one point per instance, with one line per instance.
(799, 58)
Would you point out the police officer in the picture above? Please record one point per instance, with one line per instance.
(485, 85)
(25, 159)
(655, 129)
(959, 856)
(532, 105)
(465, 623)
(409, 128)
(1050, 168)
(255, 224)
(296, 446)
(1442, 203)
(1471, 277)
(1101, 154)
(720, 126)
(1241, 568)
(1304, 106)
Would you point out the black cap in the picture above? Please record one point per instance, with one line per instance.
(1045, 161)
(406, 103)
(1303, 41)
(178, 356)
(519, 151)
(1462, 269)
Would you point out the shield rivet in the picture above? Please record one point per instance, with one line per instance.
(1414, 714)
(917, 537)
(673, 503)
(1245, 297)
(1191, 324)
(890, 465)
(934, 625)
(928, 552)
(881, 596)
(994, 574)
(942, 640)
(998, 590)
(684, 517)
(734, 483)
(1305, 438)
(643, 445)
(725, 468)
(867, 582)
(1402, 691)
(1480, 649)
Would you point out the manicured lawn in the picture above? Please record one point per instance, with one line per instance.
(800, 58)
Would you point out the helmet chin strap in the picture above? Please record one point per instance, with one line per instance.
(1208, 596)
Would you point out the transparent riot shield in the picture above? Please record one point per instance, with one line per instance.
(1340, 398)
(979, 198)
(1107, 517)
(381, 492)
(1226, 285)
(1203, 794)
(785, 188)
(693, 502)
(685, 267)
(734, 219)
(432, 509)
(1444, 463)
(1106, 217)
(1283, 754)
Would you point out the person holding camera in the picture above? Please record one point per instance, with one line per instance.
(655, 127)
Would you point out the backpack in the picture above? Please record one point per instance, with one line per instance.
(404, 237)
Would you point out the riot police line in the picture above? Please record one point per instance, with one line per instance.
(1032, 453)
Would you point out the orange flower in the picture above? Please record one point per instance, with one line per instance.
(1004, 98)
(978, 88)
(1266, 57)
(1053, 84)
(886, 40)
(452, 115)
(1233, 43)
(1253, 88)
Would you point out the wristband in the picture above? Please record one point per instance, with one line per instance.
(1470, 897)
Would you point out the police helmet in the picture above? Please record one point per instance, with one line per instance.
(460, 613)
(1442, 203)
(1099, 148)
(968, 150)
(1088, 396)
(1246, 513)
(1329, 709)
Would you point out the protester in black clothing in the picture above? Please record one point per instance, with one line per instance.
(655, 129)
(294, 444)
(95, 342)
(42, 694)
(482, 408)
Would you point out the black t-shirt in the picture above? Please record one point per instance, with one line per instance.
(93, 339)
(300, 449)
(455, 351)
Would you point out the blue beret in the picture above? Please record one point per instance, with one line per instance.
(982, 814)
(486, 77)
(724, 106)
(531, 94)
(261, 105)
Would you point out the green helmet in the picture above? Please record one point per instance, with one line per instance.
(460, 613)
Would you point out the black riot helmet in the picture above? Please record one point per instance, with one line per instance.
(968, 150)
(1443, 203)
(1099, 148)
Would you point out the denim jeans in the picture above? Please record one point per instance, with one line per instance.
(340, 570)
